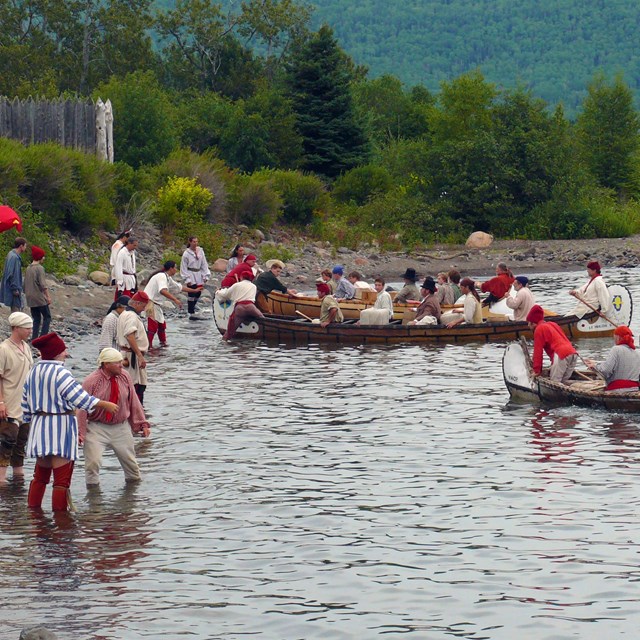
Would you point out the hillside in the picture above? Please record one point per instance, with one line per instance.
(554, 48)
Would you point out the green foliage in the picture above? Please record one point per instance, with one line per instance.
(181, 196)
(361, 184)
(303, 195)
(333, 139)
(276, 252)
(144, 128)
(254, 202)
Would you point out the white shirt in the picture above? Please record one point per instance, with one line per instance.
(194, 269)
(594, 292)
(243, 290)
(521, 304)
(125, 269)
(384, 301)
(158, 283)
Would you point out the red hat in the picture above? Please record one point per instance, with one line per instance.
(140, 296)
(595, 266)
(49, 346)
(536, 314)
(323, 287)
(625, 334)
(250, 257)
(36, 252)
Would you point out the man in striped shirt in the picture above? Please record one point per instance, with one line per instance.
(101, 429)
(49, 400)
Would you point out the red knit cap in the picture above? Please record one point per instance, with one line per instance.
(250, 257)
(141, 296)
(536, 314)
(49, 346)
(323, 287)
(594, 265)
(36, 252)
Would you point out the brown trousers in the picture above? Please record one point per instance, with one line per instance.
(13, 442)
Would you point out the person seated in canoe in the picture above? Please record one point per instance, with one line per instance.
(471, 313)
(243, 295)
(410, 290)
(268, 281)
(382, 310)
(454, 281)
(593, 295)
(327, 277)
(330, 309)
(344, 289)
(498, 286)
(428, 312)
(445, 291)
(235, 275)
(549, 337)
(356, 280)
(523, 300)
(621, 367)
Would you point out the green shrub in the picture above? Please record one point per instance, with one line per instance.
(276, 252)
(254, 202)
(12, 170)
(361, 184)
(303, 195)
(181, 196)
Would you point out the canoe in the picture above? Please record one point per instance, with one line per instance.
(585, 390)
(294, 330)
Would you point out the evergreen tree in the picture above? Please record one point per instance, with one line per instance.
(333, 140)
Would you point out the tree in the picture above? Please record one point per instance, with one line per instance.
(608, 132)
(333, 139)
(143, 118)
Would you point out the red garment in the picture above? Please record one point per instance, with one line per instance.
(154, 327)
(114, 394)
(550, 337)
(498, 286)
(622, 384)
(98, 384)
(235, 275)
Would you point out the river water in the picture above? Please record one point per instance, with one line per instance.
(341, 492)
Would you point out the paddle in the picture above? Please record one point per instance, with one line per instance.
(305, 317)
(586, 304)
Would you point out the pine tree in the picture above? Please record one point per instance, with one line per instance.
(333, 140)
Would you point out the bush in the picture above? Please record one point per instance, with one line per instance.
(254, 202)
(361, 184)
(12, 170)
(276, 252)
(181, 196)
(303, 195)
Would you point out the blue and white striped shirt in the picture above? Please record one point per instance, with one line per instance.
(51, 389)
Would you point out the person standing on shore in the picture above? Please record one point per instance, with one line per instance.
(594, 293)
(15, 363)
(101, 429)
(11, 284)
(195, 272)
(37, 293)
(49, 401)
(125, 269)
(133, 342)
(115, 250)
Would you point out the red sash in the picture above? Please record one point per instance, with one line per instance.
(622, 384)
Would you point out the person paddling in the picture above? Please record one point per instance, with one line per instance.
(621, 367)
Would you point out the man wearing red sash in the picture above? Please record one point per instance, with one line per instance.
(594, 293)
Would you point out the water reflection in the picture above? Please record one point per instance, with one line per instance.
(332, 492)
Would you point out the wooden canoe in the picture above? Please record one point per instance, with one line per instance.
(294, 330)
(524, 387)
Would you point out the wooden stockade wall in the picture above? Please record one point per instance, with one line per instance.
(80, 124)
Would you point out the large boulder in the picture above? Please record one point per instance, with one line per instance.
(100, 277)
(37, 633)
(479, 240)
(220, 265)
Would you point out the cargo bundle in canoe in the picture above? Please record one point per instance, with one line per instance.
(585, 390)
(295, 330)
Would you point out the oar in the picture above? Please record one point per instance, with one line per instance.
(586, 304)
(305, 317)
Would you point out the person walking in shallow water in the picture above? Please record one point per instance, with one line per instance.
(195, 272)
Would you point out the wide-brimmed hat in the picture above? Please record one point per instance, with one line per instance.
(409, 274)
(274, 263)
(429, 284)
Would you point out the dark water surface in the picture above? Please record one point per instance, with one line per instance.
(342, 492)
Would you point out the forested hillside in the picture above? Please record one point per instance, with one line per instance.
(551, 47)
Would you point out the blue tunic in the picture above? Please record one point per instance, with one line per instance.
(50, 389)
(11, 279)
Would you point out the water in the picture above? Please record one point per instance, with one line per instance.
(334, 493)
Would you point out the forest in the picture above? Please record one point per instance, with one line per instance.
(253, 116)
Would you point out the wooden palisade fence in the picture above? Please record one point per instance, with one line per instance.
(80, 124)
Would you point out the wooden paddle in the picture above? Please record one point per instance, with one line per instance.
(586, 304)
(305, 317)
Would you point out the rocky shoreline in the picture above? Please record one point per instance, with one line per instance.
(79, 305)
